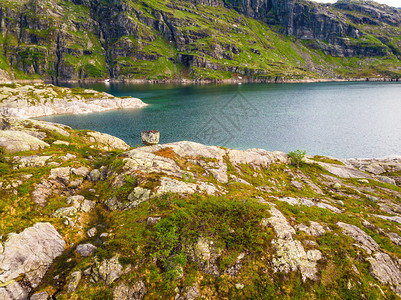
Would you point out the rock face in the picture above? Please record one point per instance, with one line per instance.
(42, 100)
(113, 36)
(26, 258)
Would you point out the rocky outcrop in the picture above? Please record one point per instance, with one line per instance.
(26, 101)
(291, 255)
(25, 259)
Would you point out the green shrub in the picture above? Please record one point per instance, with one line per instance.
(296, 157)
(2, 153)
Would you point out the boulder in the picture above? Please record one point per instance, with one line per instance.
(91, 232)
(28, 255)
(95, 175)
(65, 212)
(150, 137)
(365, 241)
(107, 142)
(40, 296)
(125, 292)
(75, 278)
(109, 270)
(17, 141)
(170, 185)
(387, 270)
(86, 250)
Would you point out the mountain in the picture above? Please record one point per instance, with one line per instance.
(198, 39)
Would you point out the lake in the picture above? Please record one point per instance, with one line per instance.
(359, 119)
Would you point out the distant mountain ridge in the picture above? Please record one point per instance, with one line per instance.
(198, 39)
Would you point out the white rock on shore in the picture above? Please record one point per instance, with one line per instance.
(29, 101)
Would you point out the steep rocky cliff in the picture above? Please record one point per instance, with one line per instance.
(198, 39)
(85, 216)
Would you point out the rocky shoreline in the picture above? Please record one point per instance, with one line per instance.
(207, 81)
(38, 99)
(84, 215)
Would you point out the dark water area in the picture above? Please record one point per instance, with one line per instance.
(361, 119)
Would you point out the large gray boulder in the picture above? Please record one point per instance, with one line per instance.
(25, 259)
(17, 141)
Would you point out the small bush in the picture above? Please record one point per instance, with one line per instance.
(297, 157)
(2, 153)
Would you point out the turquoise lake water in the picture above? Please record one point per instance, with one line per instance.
(339, 119)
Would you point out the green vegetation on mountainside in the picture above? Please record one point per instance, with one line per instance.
(174, 40)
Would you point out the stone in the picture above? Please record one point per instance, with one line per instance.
(64, 212)
(75, 201)
(205, 254)
(191, 292)
(373, 198)
(365, 241)
(124, 292)
(95, 175)
(256, 158)
(29, 101)
(296, 184)
(390, 218)
(138, 195)
(41, 192)
(34, 161)
(343, 171)
(17, 141)
(113, 204)
(386, 179)
(91, 232)
(109, 270)
(62, 175)
(394, 237)
(75, 278)
(310, 203)
(86, 250)
(153, 220)
(387, 270)
(68, 157)
(87, 206)
(150, 137)
(27, 256)
(239, 286)
(170, 185)
(239, 180)
(290, 254)
(81, 171)
(40, 296)
(107, 142)
(58, 142)
(315, 229)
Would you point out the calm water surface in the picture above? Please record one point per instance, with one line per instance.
(339, 119)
